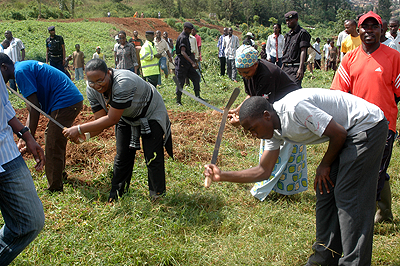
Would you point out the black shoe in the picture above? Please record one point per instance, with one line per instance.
(179, 103)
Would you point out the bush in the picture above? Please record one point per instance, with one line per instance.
(171, 22)
(17, 15)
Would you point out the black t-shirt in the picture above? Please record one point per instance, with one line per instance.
(270, 81)
(294, 41)
(183, 41)
(55, 45)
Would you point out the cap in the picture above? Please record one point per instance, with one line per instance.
(263, 43)
(188, 25)
(149, 32)
(291, 14)
(249, 34)
(51, 28)
(370, 14)
(98, 47)
(246, 56)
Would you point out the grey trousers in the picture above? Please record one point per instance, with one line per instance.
(345, 216)
(231, 69)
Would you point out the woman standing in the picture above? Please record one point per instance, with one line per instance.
(275, 44)
(125, 54)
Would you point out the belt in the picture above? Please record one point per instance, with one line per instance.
(55, 55)
(291, 64)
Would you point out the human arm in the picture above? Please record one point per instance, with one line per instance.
(185, 55)
(32, 120)
(260, 172)
(337, 136)
(103, 120)
(303, 54)
(30, 144)
(22, 54)
(233, 114)
(169, 56)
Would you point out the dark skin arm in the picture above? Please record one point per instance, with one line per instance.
(303, 54)
(32, 120)
(103, 120)
(337, 136)
(261, 172)
(185, 55)
(31, 144)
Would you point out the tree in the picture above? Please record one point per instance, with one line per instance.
(384, 9)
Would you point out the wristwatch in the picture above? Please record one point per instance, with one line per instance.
(22, 131)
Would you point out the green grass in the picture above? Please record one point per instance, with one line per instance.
(191, 225)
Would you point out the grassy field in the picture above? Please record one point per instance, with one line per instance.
(191, 225)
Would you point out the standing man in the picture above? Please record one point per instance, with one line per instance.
(171, 48)
(297, 40)
(56, 95)
(393, 33)
(231, 43)
(16, 51)
(185, 67)
(345, 180)
(78, 60)
(352, 41)
(20, 205)
(221, 51)
(149, 58)
(317, 48)
(99, 54)
(198, 42)
(342, 35)
(55, 50)
(325, 49)
(372, 72)
(163, 49)
(122, 98)
(138, 43)
(384, 40)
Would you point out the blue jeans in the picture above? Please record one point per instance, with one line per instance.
(78, 73)
(164, 67)
(278, 63)
(21, 208)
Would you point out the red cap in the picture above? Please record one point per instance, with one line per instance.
(370, 14)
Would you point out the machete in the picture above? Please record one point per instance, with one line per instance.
(235, 93)
(194, 97)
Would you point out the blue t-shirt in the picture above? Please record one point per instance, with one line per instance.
(53, 88)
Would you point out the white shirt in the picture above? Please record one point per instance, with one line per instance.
(14, 50)
(395, 40)
(326, 50)
(271, 46)
(231, 44)
(390, 43)
(305, 114)
(343, 35)
(317, 47)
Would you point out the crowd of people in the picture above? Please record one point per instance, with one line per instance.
(357, 117)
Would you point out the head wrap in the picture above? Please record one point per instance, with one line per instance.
(246, 56)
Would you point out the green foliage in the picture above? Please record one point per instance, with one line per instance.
(243, 27)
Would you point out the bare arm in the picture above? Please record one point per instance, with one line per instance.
(337, 136)
(300, 72)
(261, 172)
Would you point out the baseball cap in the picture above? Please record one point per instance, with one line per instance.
(370, 14)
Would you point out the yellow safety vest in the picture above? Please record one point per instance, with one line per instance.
(148, 61)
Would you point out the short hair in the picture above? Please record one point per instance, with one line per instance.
(395, 20)
(5, 59)
(318, 39)
(122, 32)
(352, 22)
(96, 64)
(254, 107)
(77, 45)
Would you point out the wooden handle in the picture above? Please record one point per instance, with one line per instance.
(207, 182)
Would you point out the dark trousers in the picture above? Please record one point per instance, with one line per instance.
(125, 158)
(57, 62)
(184, 70)
(222, 62)
(292, 73)
(387, 154)
(317, 63)
(153, 80)
(56, 145)
(345, 216)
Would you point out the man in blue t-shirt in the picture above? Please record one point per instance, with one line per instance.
(52, 91)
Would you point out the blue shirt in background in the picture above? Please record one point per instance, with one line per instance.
(53, 88)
